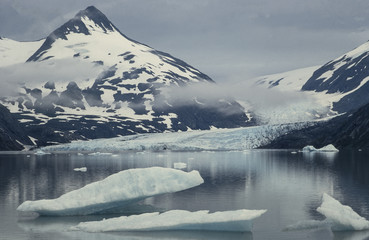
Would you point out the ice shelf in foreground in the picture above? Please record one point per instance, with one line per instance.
(328, 148)
(116, 191)
(235, 221)
(338, 217)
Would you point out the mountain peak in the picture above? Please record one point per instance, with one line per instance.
(96, 16)
(85, 22)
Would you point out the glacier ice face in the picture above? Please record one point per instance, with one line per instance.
(234, 221)
(206, 140)
(115, 191)
(338, 217)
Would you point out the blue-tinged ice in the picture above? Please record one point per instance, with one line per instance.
(116, 191)
(233, 221)
(338, 217)
(328, 148)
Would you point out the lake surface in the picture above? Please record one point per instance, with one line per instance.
(289, 186)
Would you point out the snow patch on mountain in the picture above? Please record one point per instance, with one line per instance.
(15, 52)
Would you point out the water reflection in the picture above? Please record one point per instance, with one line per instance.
(289, 185)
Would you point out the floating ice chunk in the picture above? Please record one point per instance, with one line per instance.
(338, 217)
(40, 152)
(235, 221)
(328, 148)
(99, 154)
(82, 169)
(309, 148)
(116, 191)
(341, 217)
(179, 165)
(293, 152)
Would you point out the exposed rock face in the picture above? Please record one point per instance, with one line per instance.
(11, 132)
(346, 131)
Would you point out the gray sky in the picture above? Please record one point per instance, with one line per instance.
(228, 40)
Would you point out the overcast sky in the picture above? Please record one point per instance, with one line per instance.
(228, 40)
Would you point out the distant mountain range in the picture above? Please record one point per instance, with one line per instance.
(126, 97)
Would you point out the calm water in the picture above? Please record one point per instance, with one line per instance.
(289, 185)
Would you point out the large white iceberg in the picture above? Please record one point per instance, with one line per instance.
(328, 148)
(115, 191)
(338, 217)
(235, 221)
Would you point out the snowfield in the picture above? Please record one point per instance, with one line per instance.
(208, 140)
(233, 221)
(115, 191)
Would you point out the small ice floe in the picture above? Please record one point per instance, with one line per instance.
(233, 221)
(328, 148)
(82, 169)
(338, 217)
(99, 154)
(80, 154)
(116, 191)
(293, 152)
(40, 152)
(179, 165)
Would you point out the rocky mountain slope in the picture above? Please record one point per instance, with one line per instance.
(347, 131)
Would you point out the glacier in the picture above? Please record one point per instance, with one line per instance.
(339, 217)
(115, 191)
(204, 140)
(233, 221)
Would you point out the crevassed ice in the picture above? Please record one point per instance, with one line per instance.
(235, 221)
(116, 191)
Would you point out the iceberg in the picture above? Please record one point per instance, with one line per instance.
(328, 148)
(341, 217)
(82, 169)
(179, 165)
(338, 217)
(115, 191)
(233, 221)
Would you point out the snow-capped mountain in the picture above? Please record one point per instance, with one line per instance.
(125, 98)
(341, 84)
(347, 76)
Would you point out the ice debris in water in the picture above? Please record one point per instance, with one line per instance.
(235, 221)
(40, 152)
(82, 169)
(179, 165)
(116, 191)
(338, 217)
(328, 148)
